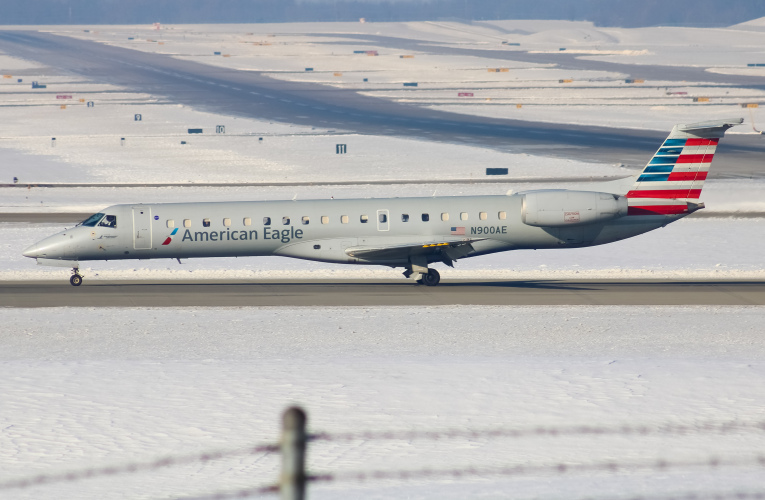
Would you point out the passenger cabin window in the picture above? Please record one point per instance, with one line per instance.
(425, 217)
(344, 219)
(483, 215)
(206, 222)
(305, 220)
(383, 218)
(170, 223)
(404, 217)
(324, 219)
(227, 222)
(247, 221)
(108, 221)
(502, 215)
(364, 219)
(286, 221)
(186, 222)
(444, 216)
(266, 221)
(463, 216)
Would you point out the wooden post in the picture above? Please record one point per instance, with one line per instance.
(293, 444)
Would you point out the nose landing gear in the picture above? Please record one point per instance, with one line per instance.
(76, 279)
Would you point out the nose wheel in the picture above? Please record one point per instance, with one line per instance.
(76, 279)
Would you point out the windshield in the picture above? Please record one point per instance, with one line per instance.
(92, 220)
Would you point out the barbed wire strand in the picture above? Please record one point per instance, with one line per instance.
(525, 470)
(169, 461)
(585, 430)
(134, 467)
(243, 493)
(700, 495)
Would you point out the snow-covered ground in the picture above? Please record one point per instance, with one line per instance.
(93, 387)
(105, 143)
(284, 51)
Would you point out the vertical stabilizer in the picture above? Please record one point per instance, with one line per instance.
(671, 182)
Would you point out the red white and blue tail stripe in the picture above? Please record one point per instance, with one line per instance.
(671, 182)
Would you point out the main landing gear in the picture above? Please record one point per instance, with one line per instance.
(429, 278)
(419, 270)
(76, 279)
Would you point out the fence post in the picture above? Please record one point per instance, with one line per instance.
(293, 444)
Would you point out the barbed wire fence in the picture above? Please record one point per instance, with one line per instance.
(294, 441)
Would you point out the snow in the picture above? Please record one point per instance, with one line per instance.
(284, 51)
(89, 147)
(662, 116)
(87, 387)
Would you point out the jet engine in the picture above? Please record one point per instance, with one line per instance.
(559, 208)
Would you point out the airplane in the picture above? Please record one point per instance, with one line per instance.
(409, 233)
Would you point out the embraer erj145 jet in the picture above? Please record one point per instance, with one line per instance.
(410, 233)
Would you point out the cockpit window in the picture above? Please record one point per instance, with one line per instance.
(109, 221)
(92, 220)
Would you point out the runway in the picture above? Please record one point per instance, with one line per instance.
(253, 95)
(377, 293)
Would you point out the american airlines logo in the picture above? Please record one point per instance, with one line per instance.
(170, 238)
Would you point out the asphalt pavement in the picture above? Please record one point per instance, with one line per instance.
(96, 293)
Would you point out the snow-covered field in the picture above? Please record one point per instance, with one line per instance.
(95, 387)
(284, 51)
(104, 143)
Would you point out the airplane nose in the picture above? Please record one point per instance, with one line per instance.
(32, 251)
(58, 246)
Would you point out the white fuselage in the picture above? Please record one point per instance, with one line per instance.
(325, 230)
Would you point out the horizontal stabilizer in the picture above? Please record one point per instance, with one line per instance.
(711, 125)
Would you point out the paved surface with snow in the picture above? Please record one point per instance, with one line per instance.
(87, 387)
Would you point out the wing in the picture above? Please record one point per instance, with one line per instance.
(446, 250)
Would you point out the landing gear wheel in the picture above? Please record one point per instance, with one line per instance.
(432, 278)
(75, 280)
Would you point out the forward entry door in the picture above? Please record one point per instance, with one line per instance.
(383, 220)
(141, 228)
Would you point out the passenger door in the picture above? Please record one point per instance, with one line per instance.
(142, 228)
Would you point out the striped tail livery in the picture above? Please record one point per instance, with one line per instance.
(671, 182)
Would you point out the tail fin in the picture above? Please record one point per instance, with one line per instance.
(671, 182)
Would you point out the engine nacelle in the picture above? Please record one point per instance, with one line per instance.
(571, 208)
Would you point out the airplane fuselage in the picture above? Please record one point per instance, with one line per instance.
(324, 230)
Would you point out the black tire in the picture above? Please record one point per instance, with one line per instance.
(75, 280)
(432, 278)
